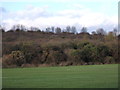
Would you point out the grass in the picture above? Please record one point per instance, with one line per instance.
(89, 76)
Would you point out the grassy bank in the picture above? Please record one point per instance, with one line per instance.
(88, 76)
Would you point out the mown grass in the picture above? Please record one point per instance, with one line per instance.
(88, 76)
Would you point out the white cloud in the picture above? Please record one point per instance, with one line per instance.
(41, 17)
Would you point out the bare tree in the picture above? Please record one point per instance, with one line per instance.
(68, 29)
(58, 30)
(48, 29)
(100, 31)
(53, 29)
(84, 30)
(73, 30)
(18, 27)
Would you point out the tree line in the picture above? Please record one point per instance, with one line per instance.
(56, 47)
(68, 29)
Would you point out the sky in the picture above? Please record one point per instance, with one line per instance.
(92, 14)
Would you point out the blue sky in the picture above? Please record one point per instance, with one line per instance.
(110, 7)
(73, 12)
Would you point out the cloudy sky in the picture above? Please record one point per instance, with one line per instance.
(92, 14)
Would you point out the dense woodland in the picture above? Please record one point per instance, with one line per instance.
(23, 47)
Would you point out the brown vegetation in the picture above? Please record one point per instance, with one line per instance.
(37, 48)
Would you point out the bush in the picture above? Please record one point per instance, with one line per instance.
(49, 48)
(16, 58)
(109, 60)
(55, 57)
(103, 51)
(88, 53)
(80, 45)
(53, 54)
(7, 61)
(31, 51)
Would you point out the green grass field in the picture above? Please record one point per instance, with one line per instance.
(88, 76)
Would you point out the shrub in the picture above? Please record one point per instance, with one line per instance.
(18, 57)
(109, 60)
(80, 45)
(41, 48)
(88, 53)
(7, 61)
(76, 54)
(30, 51)
(103, 51)
(54, 55)
(15, 58)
